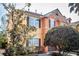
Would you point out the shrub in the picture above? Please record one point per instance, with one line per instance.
(18, 50)
(12, 51)
(2, 40)
(66, 38)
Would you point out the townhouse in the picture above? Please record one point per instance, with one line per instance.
(43, 23)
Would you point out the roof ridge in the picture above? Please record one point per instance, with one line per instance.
(33, 12)
(53, 11)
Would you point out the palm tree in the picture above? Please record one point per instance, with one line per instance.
(74, 7)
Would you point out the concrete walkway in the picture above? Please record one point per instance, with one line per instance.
(1, 52)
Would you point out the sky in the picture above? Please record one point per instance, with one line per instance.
(2, 14)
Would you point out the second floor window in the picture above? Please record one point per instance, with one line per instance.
(51, 23)
(34, 22)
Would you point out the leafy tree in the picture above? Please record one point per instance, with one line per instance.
(66, 38)
(17, 29)
(74, 7)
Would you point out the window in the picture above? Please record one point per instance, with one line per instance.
(56, 14)
(34, 22)
(34, 42)
(52, 23)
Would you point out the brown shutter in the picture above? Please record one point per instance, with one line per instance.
(39, 23)
(28, 21)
